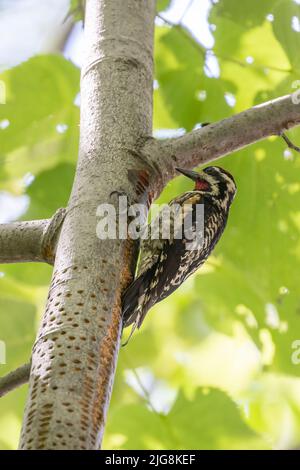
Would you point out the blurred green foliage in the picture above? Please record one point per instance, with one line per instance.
(212, 366)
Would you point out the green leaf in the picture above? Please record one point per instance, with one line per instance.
(77, 8)
(211, 420)
(11, 412)
(248, 13)
(49, 191)
(17, 331)
(124, 430)
(162, 4)
(186, 96)
(245, 59)
(178, 71)
(39, 99)
(273, 408)
(286, 29)
(36, 89)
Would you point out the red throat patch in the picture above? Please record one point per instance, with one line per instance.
(202, 185)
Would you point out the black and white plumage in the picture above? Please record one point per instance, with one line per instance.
(166, 263)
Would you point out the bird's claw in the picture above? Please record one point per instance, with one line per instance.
(118, 193)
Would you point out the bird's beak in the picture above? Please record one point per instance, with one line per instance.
(193, 175)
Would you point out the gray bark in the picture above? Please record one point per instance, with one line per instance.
(223, 137)
(14, 379)
(33, 240)
(22, 241)
(75, 352)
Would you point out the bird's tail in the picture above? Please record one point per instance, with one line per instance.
(130, 300)
(134, 301)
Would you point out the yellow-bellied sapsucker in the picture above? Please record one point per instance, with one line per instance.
(166, 263)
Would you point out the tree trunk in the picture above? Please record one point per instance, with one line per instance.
(75, 352)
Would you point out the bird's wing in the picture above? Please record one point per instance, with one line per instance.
(162, 277)
(149, 254)
(159, 263)
(152, 244)
(135, 296)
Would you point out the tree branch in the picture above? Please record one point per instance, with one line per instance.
(14, 379)
(30, 240)
(290, 143)
(223, 137)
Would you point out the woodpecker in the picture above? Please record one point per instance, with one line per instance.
(166, 263)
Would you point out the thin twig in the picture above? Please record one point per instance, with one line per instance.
(14, 379)
(146, 392)
(289, 142)
(186, 32)
(188, 6)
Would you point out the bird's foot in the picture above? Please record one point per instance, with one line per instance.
(118, 192)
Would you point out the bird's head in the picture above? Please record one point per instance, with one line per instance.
(214, 181)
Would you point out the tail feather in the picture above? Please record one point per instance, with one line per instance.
(133, 311)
